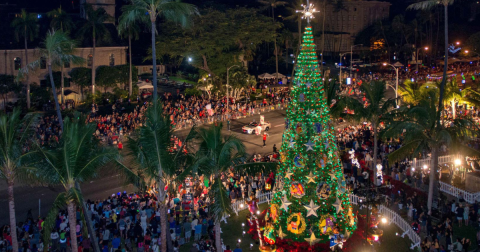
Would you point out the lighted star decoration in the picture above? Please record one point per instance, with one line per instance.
(281, 234)
(312, 240)
(311, 209)
(308, 11)
(285, 203)
(338, 205)
(332, 175)
(309, 84)
(288, 174)
(311, 178)
(309, 145)
(291, 143)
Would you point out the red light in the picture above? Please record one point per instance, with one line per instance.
(408, 65)
(358, 70)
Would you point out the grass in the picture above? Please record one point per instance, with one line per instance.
(175, 78)
(468, 232)
(232, 231)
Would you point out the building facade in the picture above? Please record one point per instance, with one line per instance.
(343, 23)
(11, 61)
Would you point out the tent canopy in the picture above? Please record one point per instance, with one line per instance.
(450, 61)
(279, 75)
(266, 76)
(145, 86)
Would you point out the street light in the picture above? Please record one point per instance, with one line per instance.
(351, 57)
(227, 94)
(457, 43)
(340, 65)
(384, 220)
(466, 51)
(395, 66)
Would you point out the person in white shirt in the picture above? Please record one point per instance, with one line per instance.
(63, 225)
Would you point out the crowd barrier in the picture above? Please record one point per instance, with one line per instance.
(188, 123)
(391, 215)
(459, 193)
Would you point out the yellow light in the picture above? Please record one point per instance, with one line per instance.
(457, 161)
(426, 48)
(425, 166)
(466, 51)
(384, 220)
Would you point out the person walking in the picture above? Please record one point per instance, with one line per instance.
(264, 139)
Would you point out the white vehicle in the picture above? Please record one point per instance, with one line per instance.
(250, 128)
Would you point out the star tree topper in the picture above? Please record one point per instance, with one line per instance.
(307, 11)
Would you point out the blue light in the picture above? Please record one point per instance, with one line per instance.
(39, 16)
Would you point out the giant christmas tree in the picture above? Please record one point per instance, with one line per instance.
(312, 204)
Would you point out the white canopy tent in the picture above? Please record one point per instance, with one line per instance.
(145, 86)
(280, 76)
(266, 76)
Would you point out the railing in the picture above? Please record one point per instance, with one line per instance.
(393, 217)
(188, 123)
(459, 193)
(419, 163)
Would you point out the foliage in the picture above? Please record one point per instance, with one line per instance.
(57, 77)
(193, 91)
(411, 92)
(8, 85)
(81, 76)
(218, 39)
(25, 25)
(122, 72)
(60, 20)
(106, 77)
(473, 42)
(94, 25)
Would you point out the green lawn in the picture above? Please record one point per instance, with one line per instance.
(175, 78)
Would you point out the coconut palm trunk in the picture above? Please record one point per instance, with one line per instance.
(431, 182)
(62, 85)
(55, 96)
(375, 151)
(93, 63)
(154, 67)
(26, 63)
(218, 240)
(13, 219)
(130, 67)
(445, 66)
(72, 222)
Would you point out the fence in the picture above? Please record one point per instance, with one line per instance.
(392, 216)
(188, 123)
(395, 218)
(459, 193)
(419, 163)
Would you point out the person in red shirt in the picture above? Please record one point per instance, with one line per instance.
(120, 145)
(264, 139)
(228, 249)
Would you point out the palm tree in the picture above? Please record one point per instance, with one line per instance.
(15, 135)
(151, 148)
(377, 107)
(215, 155)
(274, 4)
(95, 25)
(287, 39)
(25, 26)
(56, 49)
(425, 134)
(61, 21)
(425, 5)
(75, 160)
(170, 10)
(411, 92)
(131, 31)
(298, 18)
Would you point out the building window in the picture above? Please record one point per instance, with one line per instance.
(112, 59)
(66, 64)
(18, 63)
(43, 63)
(354, 17)
(354, 9)
(66, 82)
(90, 60)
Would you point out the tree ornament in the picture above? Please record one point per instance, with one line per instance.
(281, 234)
(285, 202)
(312, 209)
(301, 98)
(296, 223)
(269, 234)
(312, 240)
(309, 145)
(318, 128)
(291, 143)
(311, 178)
(338, 205)
(298, 161)
(288, 174)
(309, 84)
(297, 189)
(326, 224)
(323, 190)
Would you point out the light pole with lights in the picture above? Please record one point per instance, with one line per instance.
(351, 57)
(228, 114)
(395, 66)
(340, 65)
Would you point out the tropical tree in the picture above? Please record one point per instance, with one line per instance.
(425, 5)
(76, 159)
(377, 106)
(95, 25)
(421, 132)
(240, 80)
(127, 28)
(56, 49)
(411, 92)
(274, 4)
(216, 154)
(15, 135)
(151, 149)
(81, 76)
(297, 5)
(25, 26)
(172, 10)
(61, 21)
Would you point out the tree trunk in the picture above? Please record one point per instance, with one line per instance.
(445, 66)
(454, 109)
(218, 241)
(62, 84)
(93, 64)
(55, 96)
(130, 68)
(276, 49)
(433, 169)
(88, 220)
(375, 151)
(72, 222)
(154, 70)
(13, 220)
(27, 80)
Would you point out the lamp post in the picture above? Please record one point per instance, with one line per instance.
(396, 66)
(351, 57)
(340, 65)
(227, 95)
